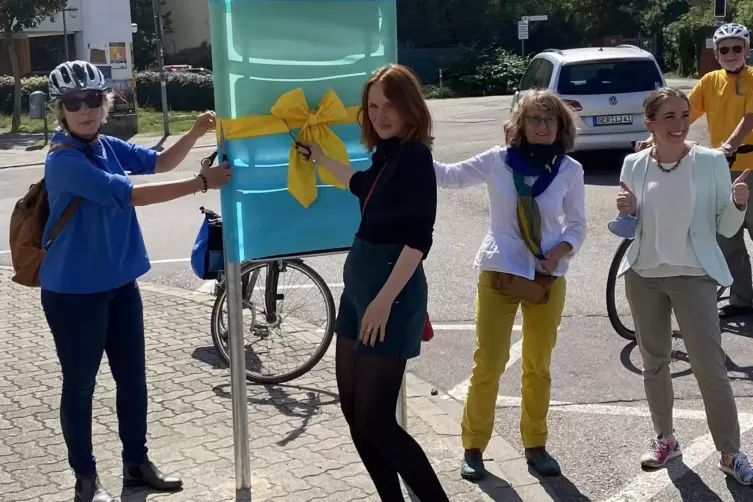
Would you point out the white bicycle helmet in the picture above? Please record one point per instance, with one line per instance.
(76, 76)
(731, 30)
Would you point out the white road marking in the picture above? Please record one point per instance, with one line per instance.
(174, 260)
(460, 391)
(646, 486)
(7, 251)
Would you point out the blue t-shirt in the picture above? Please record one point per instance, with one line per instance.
(101, 247)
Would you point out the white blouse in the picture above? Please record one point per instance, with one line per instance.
(562, 207)
(667, 211)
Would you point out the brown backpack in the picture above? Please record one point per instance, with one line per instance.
(27, 222)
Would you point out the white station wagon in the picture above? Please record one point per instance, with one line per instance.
(605, 86)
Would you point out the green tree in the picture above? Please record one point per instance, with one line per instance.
(145, 39)
(15, 17)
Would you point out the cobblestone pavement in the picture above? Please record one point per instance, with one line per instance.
(300, 448)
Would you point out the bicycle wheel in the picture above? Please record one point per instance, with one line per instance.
(293, 331)
(612, 310)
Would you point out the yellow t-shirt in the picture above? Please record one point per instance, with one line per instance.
(725, 99)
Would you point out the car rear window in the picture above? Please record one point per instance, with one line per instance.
(609, 77)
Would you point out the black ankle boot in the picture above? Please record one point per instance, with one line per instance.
(89, 489)
(148, 475)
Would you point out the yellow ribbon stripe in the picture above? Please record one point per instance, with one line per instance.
(291, 110)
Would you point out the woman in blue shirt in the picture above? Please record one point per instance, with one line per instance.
(88, 278)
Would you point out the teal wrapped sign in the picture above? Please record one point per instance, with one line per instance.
(288, 69)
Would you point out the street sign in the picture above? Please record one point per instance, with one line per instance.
(522, 30)
(537, 18)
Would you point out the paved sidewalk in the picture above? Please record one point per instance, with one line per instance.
(300, 447)
(23, 150)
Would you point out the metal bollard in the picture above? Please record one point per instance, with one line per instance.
(402, 406)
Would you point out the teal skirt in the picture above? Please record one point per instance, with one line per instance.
(367, 268)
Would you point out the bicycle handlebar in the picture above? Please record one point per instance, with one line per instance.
(742, 150)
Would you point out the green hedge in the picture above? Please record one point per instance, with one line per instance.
(185, 91)
(484, 71)
(28, 85)
(474, 72)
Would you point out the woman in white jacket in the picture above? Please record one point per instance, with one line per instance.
(538, 222)
(679, 196)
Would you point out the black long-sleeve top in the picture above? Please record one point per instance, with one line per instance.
(403, 206)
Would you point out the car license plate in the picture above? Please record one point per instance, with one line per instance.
(603, 120)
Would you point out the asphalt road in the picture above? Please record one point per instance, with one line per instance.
(599, 424)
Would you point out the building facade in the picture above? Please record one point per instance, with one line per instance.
(190, 20)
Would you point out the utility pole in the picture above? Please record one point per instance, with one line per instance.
(161, 63)
(74, 12)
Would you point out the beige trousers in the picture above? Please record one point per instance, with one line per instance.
(693, 300)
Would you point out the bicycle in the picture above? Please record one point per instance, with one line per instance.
(269, 318)
(612, 310)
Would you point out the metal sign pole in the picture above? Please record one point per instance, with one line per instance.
(239, 392)
(402, 406)
(237, 346)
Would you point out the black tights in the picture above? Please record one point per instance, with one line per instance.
(369, 387)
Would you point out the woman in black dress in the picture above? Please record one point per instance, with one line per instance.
(383, 305)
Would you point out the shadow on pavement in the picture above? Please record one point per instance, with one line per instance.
(735, 372)
(286, 403)
(692, 486)
(561, 488)
(160, 144)
(22, 141)
(138, 494)
(739, 492)
(497, 488)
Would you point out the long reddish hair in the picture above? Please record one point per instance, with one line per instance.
(402, 88)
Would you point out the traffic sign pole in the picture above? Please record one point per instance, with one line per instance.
(523, 34)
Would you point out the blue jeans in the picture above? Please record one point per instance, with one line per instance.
(84, 328)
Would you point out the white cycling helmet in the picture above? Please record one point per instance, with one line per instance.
(76, 76)
(731, 30)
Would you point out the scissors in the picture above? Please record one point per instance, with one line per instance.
(222, 151)
(297, 143)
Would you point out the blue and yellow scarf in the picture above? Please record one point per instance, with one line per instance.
(542, 161)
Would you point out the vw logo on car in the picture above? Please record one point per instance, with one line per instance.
(613, 100)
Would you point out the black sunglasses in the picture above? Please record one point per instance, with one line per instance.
(737, 49)
(92, 100)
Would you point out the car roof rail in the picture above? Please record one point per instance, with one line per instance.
(558, 51)
(631, 46)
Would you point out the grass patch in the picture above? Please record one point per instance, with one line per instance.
(150, 122)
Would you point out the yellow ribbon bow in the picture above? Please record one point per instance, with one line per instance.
(292, 108)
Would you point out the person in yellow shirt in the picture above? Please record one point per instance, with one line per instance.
(725, 96)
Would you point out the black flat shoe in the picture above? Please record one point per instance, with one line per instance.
(149, 476)
(89, 489)
(542, 461)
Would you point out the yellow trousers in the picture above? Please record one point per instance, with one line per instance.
(495, 318)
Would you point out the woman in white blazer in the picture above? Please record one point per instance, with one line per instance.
(538, 222)
(679, 196)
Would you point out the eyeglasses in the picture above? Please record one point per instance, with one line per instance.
(92, 100)
(537, 121)
(737, 49)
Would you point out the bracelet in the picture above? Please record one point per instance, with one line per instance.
(204, 180)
